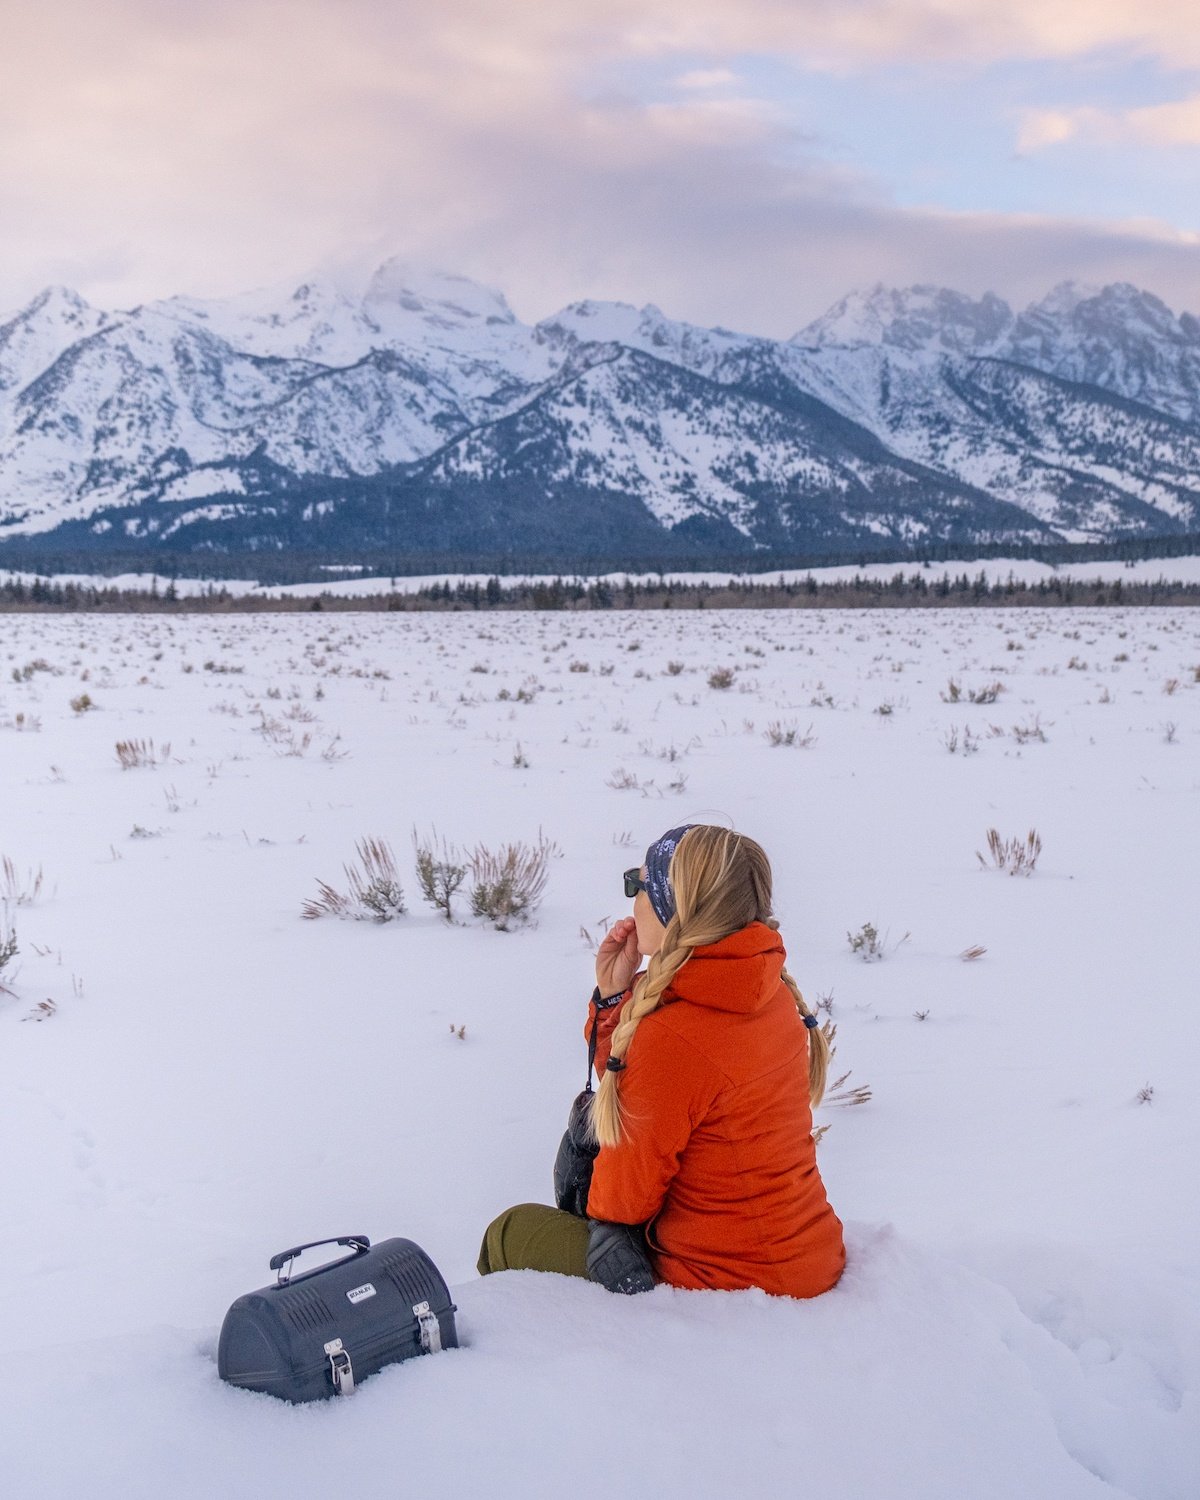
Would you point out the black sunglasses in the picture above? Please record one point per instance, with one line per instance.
(634, 883)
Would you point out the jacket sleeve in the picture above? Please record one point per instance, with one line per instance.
(667, 1089)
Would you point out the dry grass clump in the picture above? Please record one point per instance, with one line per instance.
(1016, 855)
(17, 890)
(82, 704)
(988, 693)
(508, 883)
(968, 744)
(135, 753)
(285, 741)
(374, 892)
(1024, 733)
(26, 673)
(721, 677)
(839, 1094)
(780, 733)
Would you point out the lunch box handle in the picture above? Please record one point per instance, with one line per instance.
(282, 1262)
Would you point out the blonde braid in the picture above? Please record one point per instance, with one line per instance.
(818, 1042)
(607, 1119)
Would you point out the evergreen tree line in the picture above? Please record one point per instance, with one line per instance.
(926, 589)
(295, 565)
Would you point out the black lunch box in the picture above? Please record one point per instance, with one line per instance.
(317, 1335)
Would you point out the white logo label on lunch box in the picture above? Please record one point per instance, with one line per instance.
(361, 1293)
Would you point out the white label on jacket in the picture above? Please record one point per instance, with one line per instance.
(361, 1293)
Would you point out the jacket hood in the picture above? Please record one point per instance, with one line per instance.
(740, 973)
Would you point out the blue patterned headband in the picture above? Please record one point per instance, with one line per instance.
(658, 862)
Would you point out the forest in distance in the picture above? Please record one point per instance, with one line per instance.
(902, 590)
(292, 565)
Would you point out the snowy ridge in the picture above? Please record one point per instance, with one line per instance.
(941, 416)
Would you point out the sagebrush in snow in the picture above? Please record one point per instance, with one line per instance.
(866, 942)
(23, 674)
(374, 892)
(788, 733)
(375, 887)
(439, 872)
(1017, 856)
(8, 948)
(509, 882)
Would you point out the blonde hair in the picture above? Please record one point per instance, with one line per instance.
(721, 881)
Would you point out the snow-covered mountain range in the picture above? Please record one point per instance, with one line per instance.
(425, 416)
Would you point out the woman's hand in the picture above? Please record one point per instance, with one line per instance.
(617, 958)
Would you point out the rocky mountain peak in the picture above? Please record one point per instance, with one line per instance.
(60, 300)
(438, 297)
(913, 318)
(1118, 311)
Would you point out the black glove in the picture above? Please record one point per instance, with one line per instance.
(576, 1153)
(617, 1257)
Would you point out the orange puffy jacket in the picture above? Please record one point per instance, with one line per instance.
(717, 1154)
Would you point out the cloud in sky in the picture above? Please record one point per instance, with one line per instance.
(147, 148)
(706, 78)
(1173, 124)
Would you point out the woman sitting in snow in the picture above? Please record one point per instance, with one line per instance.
(704, 1171)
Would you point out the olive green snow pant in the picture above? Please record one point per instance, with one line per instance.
(532, 1237)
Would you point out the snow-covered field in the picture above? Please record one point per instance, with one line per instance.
(193, 1077)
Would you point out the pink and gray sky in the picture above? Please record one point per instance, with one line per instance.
(741, 162)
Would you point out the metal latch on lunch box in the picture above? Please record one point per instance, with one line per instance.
(340, 1368)
(431, 1329)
